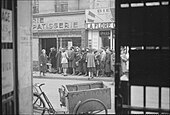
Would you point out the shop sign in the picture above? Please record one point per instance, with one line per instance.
(104, 33)
(100, 15)
(55, 23)
(6, 27)
(104, 25)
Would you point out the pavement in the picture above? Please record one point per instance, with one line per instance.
(70, 77)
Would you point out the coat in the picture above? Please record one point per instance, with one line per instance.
(58, 59)
(43, 63)
(53, 59)
(102, 60)
(90, 60)
(112, 62)
(71, 55)
(123, 63)
(108, 64)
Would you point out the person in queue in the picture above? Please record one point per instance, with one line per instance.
(43, 62)
(90, 63)
(103, 61)
(58, 61)
(64, 61)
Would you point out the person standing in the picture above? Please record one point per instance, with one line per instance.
(123, 61)
(70, 60)
(49, 60)
(58, 61)
(43, 62)
(64, 61)
(53, 59)
(97, 62)
(83, 61)
(102, 60)
(107, 64)
(90, 63)
(112, 63)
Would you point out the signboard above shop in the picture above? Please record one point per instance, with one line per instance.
(104, 25)
(58, 22)
(100, 15)
(100, 18)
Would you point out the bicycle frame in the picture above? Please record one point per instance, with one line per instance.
(51, 108)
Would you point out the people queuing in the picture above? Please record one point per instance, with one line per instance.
(85, 61)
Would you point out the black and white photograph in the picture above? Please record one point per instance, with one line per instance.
(85, 57)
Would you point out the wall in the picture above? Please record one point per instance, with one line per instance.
(84, 4)
(102, 4)
(24, 42)
(72, 5)
(46, 6)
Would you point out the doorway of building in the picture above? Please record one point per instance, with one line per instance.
(69, 41)
(105, 41)
(47, 43)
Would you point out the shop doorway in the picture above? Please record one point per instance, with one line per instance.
(105, 41)
(69, 41)
(47, 43)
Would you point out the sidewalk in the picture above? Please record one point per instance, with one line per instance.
(70, 77)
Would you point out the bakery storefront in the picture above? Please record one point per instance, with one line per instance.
(59, 31)
(100, 26)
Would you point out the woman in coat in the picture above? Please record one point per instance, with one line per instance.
(107, 63)
(43, 62)
(53, 59)
(90, 63)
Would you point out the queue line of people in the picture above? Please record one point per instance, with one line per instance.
(85, 61)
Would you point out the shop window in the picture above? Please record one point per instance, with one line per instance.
(61, 6)
(35, 6)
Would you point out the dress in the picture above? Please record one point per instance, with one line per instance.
(64, 59)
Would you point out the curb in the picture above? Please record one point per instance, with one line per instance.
(110, 79)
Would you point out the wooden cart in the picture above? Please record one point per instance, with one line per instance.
(87, 98)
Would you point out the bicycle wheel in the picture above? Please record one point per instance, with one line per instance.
(91, 106)
(38, 103)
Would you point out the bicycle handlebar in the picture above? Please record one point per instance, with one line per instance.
(39, 85)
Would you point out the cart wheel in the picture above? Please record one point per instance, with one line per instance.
(91, 106)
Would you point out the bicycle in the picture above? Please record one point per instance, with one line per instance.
(39, 102)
